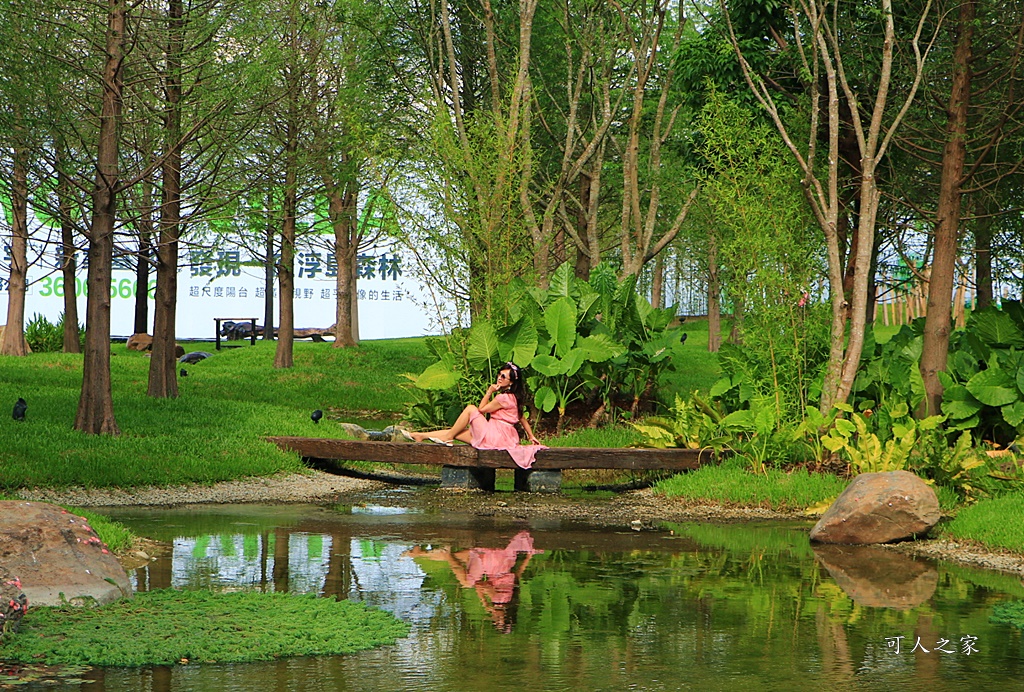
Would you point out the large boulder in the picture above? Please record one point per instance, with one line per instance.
(879, 508)
(878, 577)
(57, 556)
(139, 342)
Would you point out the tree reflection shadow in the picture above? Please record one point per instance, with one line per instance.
(493, 572)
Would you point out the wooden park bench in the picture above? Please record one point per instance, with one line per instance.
(463, 466)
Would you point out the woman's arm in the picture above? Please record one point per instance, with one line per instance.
(525, 422)
(487, 403)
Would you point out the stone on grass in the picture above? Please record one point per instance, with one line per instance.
(139, 342)
(879, 508)
(57, 556)
(879, 577)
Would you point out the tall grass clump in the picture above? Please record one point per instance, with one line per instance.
(731, 483)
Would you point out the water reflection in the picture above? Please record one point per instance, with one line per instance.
(493, 572)
(879, 577)
(557, 606)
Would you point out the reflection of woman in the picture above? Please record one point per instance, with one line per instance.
(491, 424)
(493, 572)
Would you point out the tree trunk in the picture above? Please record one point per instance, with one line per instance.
(736, 332)
(342, 209)
(283, 357)
(937, 322)
(714, 297)
(163, 371)
(983, 262)
(268, 280)
(96, 406)
(658, 281)
(13, 343)
(68, 265)
(142, 259)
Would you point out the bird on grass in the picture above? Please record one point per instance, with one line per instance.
(316, 415)
(19, 409)
(184, 372)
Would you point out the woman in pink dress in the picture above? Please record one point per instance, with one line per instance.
(492, 423)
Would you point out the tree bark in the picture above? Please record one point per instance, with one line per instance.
(342, 210)
(163, 371)
(658, 281)
(937, 323)
(983, 262)
(145, 229)
(714, 297)
(284, 356)
(68, 265)
(268, 277)
(96, 405)
(13, 343)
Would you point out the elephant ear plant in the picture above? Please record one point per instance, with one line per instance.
(984, 382)
(594, 344)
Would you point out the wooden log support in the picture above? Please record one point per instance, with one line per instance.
(463, 466)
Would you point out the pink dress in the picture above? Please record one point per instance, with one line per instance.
(500, 432)
(496, 566)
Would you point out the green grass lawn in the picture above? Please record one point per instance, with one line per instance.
(213, 431)
(997, 522)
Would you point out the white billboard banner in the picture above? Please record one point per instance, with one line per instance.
(227, 282)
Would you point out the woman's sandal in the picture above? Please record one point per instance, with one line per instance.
(439, 441)
(402, 435)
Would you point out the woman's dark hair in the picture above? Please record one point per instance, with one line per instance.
(516, 386)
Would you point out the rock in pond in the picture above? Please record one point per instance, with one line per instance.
(57, 556)
(879, 508)
(878, 577)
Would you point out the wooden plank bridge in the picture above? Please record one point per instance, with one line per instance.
(465, 466)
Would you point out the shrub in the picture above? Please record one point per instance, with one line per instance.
(45, 337)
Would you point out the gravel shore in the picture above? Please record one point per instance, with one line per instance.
(637, 509)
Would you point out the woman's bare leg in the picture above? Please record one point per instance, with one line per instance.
(461, 426)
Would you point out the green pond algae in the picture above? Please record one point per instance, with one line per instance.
(167, 626)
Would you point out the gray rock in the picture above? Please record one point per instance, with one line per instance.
(879, 508)
(194, 357)
(57, 556)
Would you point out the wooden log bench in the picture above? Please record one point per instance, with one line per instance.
(465, 467)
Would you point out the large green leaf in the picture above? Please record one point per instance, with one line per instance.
(1020, 379)
(549, 366)
(993, 387)
(1014, 413)
(742, 420)
(560, 283)
(958, 403)
(560, 319)
(720, 387)
(574, 359)
(600, 347)
(545, 399)
(482, 351)
(518, 342)
(588, 303)
(996, 328)
(437, 376)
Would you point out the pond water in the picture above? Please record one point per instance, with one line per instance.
(549, 605)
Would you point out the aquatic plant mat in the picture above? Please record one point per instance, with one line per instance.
(166, 626)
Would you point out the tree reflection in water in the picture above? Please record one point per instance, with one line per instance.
(493, 572)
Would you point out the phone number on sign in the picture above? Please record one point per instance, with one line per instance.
(123, 288)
